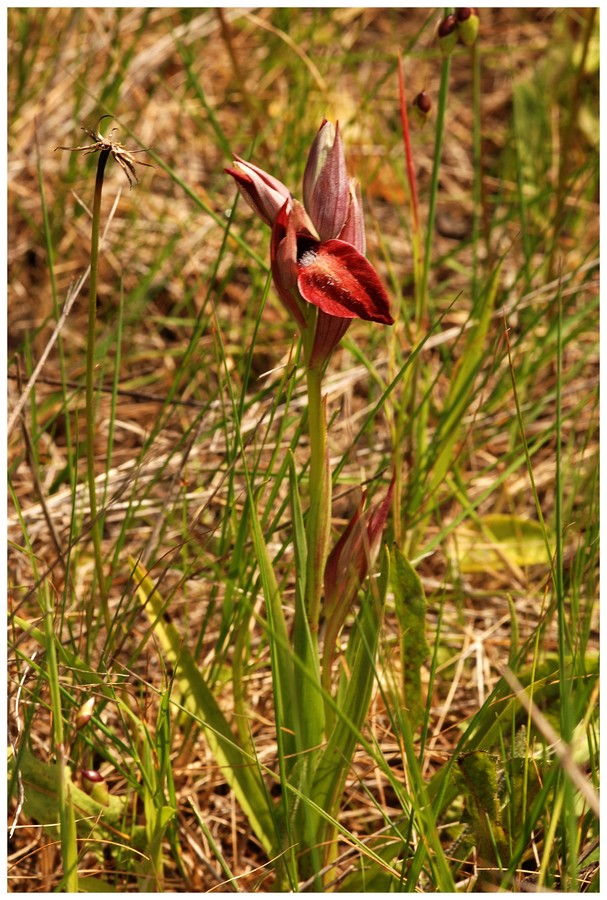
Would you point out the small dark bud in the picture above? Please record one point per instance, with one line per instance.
(468, 24)
(84, 714)
(447, 35)
(447, 26)
(99, 789)
(92, 775)
(421, 108)
(423, 102)
(464, 13)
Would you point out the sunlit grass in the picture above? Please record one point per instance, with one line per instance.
(199, 387)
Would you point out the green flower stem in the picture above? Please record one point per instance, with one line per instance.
(567, 137)
(419, 411)
(318, 525)
(96, 524)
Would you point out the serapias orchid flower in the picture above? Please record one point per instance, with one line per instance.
(317, 250)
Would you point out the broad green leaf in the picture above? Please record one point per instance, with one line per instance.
(478, 777)
(92, 885)
(410, 605)
(157, 814)
(42, 802)
(354, 694)
(280, 647)
(239, 769)
(495, 542)
(370, 876)
(69, 659)
(307, 698)
(283, 681)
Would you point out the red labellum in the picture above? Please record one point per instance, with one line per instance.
(341, 282)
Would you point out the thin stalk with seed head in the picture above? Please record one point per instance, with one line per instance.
(96, 523)
(126, 160)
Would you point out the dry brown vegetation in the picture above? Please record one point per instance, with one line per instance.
(268, 77)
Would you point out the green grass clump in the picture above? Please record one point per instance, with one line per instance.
(477, 765)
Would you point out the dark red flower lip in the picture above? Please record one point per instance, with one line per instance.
(340, 281)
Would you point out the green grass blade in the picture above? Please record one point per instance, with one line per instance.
(67, 819)
(462, 385)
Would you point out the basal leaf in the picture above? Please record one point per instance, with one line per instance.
(410, 605)
(496, 542)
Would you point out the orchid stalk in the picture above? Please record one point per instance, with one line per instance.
(321, 274)
(324, 280)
